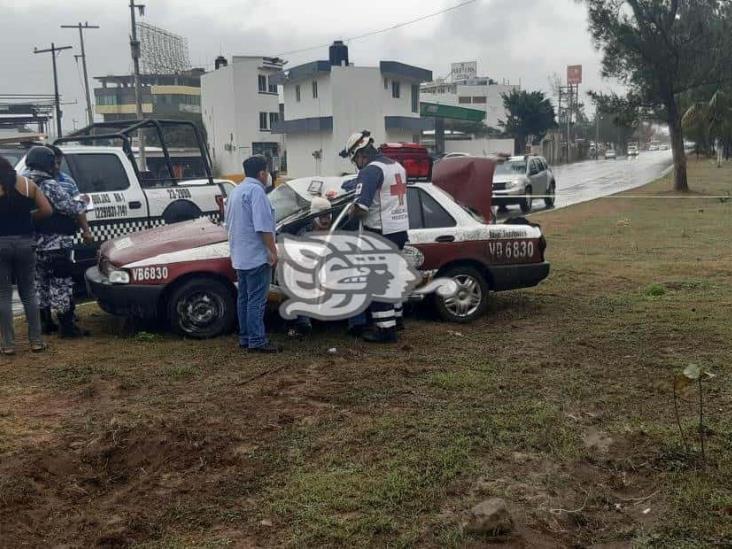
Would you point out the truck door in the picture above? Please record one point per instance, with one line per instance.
(119, 205)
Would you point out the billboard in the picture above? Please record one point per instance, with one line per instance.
(574, 74)
(162, 52)
(464, 71)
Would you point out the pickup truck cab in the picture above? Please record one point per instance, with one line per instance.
(125, 199)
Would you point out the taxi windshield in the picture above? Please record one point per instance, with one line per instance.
(286, 202)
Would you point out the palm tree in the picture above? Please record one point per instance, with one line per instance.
(712, 120)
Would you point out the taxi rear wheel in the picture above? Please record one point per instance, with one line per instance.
(201, 308)
(471, 299)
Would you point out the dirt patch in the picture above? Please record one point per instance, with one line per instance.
(558, 401)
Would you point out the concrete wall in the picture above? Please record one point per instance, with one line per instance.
(218, 106)
(481, 147)
(231, 103)
(308, 106)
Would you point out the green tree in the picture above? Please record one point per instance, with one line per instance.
(624, 113)
(662, 49)
(530, 114)
(711, 121)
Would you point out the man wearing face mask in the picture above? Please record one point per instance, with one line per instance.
(381, 204)
(250, 222)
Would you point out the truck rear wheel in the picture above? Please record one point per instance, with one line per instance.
(471, 300)
(202, 308)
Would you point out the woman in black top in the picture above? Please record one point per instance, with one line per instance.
(18, 198)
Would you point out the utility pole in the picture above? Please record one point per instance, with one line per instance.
(597, 134)
(82, 28)
(569, 125)
(135, 49)
(56, 99)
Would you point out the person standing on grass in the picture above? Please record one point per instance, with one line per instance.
(55, 241)
(250, 222)
(19, 196)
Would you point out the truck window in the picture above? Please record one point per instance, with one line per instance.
(97, 173)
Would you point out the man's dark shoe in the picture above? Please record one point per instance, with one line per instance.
(380, 335)
(48, 326)
(356, 331)
(268, 349)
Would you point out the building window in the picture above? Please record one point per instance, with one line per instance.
(263, 121)
(415, 98)
(480, 99)
(464, 100)
(395, 90)
(297, 93)
(272, 86)
(315, 89)
(274, 117)
(262, 83)
(386, 83)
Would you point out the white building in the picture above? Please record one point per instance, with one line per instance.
(479, 93)
(239, 105)
(326, 101)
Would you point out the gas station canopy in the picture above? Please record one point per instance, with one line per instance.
(451, 112)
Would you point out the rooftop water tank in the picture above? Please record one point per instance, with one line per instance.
(338, 54)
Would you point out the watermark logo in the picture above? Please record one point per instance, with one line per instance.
(337, 276)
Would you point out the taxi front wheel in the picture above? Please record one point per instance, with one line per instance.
(202, 308)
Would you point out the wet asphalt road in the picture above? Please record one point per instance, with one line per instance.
(592, 179)
(587, 180)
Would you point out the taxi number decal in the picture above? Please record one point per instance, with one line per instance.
(175, 194)
(511, 250)
(141, 274)
(108, 212)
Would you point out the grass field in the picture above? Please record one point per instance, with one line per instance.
(560, 401)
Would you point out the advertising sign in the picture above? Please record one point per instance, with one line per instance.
(574, 74)
(464, 71)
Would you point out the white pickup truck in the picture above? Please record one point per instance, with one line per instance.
(174, 186)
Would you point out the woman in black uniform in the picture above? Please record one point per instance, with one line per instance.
(19, 196)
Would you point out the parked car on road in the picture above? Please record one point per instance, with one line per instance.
(519, 178)
(181, 274)
(610, 154)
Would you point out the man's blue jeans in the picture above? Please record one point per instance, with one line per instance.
(252, 301)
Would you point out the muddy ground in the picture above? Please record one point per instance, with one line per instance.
(559, 401)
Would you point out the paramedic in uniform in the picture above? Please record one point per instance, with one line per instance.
(381, 204)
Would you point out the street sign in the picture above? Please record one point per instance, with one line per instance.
(574, 74)
(464, 71)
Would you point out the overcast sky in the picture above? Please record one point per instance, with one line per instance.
(522, 41)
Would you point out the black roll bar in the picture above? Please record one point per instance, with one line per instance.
(127, 127)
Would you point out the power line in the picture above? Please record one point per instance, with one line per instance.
(387, 29)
